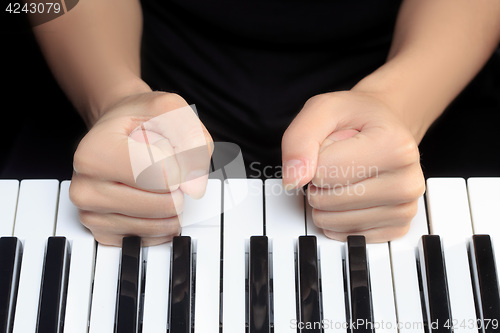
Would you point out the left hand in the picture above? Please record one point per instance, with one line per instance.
(361, 162)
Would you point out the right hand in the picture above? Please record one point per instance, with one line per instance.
(111, 200)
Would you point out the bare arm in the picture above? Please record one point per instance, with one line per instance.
(94, 53)
(438, 47)
(372, 132)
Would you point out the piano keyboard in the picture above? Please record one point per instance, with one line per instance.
(261, 266)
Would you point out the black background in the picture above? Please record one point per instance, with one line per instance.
(40, 128)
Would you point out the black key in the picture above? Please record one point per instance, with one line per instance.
(486, 283)
(259, 301)
(181, 285)
(54, 286)
(10, 264)
(129, 286)
(434, 284)
(308, 277)
(361, 313)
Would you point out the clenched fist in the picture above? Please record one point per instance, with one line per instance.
(133, 167)
(361, 162)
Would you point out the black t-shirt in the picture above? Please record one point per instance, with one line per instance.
(249, 66)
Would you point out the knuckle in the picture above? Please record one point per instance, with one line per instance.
(173, 204)
(411, 189)
(169, 227)
(319, 218)
(82, 195)
(342, 237)
(80, 158)
(325, 220)
(109, 240)
(152, 241)
(406, 212)
(314, 197)
(319, 99)
(408, 152)
(400, 231)
(167, 102)
(89, 219)
(76, 194)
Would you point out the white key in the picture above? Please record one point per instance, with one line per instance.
(484, 197)
(35, 220)
(330, 254)
(81, 273)
(205, 234)
(156, 292)
(102, 315)
(284, 224)
(379, 266)
(8, 202)
(405, 275)
(449, 217)
(243, 220)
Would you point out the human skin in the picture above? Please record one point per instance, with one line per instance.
(438, 47)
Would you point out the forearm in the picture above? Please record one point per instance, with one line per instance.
(94, 53)
(438, 47)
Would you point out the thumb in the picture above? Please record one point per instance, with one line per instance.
(313, 128)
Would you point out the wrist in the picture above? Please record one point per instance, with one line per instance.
(400, 91)
(102, 102)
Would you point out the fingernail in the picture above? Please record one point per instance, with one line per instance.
(293, 172)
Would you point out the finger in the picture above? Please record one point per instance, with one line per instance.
(192, 146)
(125, 225)
(116, 240)
(363, 219)
(389, 188)
(110, 197)
(110, 161)
(375, 235)
(364, 155)
(153, 161)
(320, 117)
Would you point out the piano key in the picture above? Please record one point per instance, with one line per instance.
(405, 274)
(284, 224)
(10, 259)
(129, 286)
(258, 286)
(241, 221)
(361, 313)
(484, 196)
(9, 189)
(53, 289)
(82, 260)
(308, 278)
(486, 283)
(9, 254)
(35, 218)
(382, 290)
(203, 220)
(102, 315)
(449, 217)
(434, 284)
(331, 256)
(181, 288)
(156, 289)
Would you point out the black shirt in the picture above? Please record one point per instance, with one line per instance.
(249, 66)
